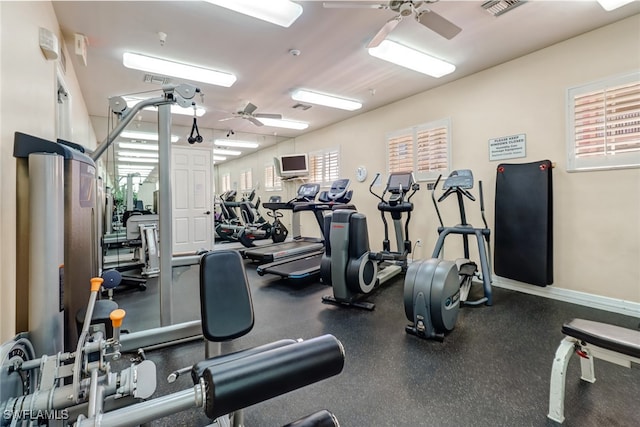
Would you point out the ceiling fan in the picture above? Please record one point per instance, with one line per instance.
(423, 15)
(248, 113)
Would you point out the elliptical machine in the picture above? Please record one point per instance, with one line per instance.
(434, 289)
(348, 265)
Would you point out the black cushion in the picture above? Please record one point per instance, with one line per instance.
(225, 299)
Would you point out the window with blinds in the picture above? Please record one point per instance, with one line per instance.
(324, 166)
(272, 182)
(246, 180)
(423, 149)
(226, 182)
(604, 124)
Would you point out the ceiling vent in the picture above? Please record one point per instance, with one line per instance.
(156, 80)
(499, 7)
(301, 106)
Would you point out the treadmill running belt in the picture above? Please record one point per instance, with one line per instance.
(294, 269)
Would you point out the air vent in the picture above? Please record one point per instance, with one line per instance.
(156, 80)
(499, 7)
(301, 106)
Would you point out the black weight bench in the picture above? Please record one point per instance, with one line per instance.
(590, 340)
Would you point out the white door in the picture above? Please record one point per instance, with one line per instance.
(191, 189)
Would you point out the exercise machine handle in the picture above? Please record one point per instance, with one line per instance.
(433, 198)
(252, 379)
(482, 205)
(371, 186)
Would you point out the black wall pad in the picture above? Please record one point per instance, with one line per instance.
(523, 223)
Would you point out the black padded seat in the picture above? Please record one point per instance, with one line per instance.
(610, 337)
(225, 299)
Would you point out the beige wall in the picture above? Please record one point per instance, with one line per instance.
(27, 104)
(596, 214)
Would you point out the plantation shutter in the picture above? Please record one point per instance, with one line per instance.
(268, 177)
(324, 166)
(401, 153)
(432, 152)
(604, 122)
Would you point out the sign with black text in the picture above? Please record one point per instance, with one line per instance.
(508, 147)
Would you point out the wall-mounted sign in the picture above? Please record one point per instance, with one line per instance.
(508, 147)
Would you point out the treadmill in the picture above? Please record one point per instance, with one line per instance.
(299, 245)
(308, 264)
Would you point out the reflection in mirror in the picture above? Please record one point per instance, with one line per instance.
(131, 239)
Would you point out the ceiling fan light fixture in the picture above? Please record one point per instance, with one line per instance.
(145, 136)
(279, 12)
(226, 152)
(326, 100)
(286, 124)
(236, 144)
(610, 5)
(410, 58)
(177, 69)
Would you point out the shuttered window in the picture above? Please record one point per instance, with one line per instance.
(422, 149)
(246, 180)
(226, 183)
(324, 166)
(604, 124)
(272, 182)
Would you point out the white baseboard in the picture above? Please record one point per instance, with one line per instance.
(629, 308)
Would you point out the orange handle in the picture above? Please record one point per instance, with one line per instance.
(116, 317)
(96, 282)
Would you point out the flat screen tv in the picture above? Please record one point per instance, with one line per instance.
(294, 165)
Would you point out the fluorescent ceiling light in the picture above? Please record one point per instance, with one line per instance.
(220, 158)
(287, 124)
(136, 167)
(131, 134)
(326, 100)
(227, 152)
(237, 144)
(137, 154)
(279, 12)
(412, 59)
(137, 160)
(175, 108)
(177, 69)
(137, 146)
(610, 5)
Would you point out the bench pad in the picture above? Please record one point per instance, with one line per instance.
(610, 337)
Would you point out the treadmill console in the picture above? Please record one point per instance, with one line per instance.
(307, 192)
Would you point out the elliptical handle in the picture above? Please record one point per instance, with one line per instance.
(433, 198)
(371, 186)
(482, 205)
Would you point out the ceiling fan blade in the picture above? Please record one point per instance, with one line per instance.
(255, 121)
(437, 23)
(249, 109)
(384, 31)
(268, 116)
(227, 118)
(353, 5)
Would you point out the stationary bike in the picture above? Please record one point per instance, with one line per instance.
(348, 265)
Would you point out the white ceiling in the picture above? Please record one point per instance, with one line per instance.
(332, 43)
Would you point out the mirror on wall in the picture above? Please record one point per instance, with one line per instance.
(132, 241)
